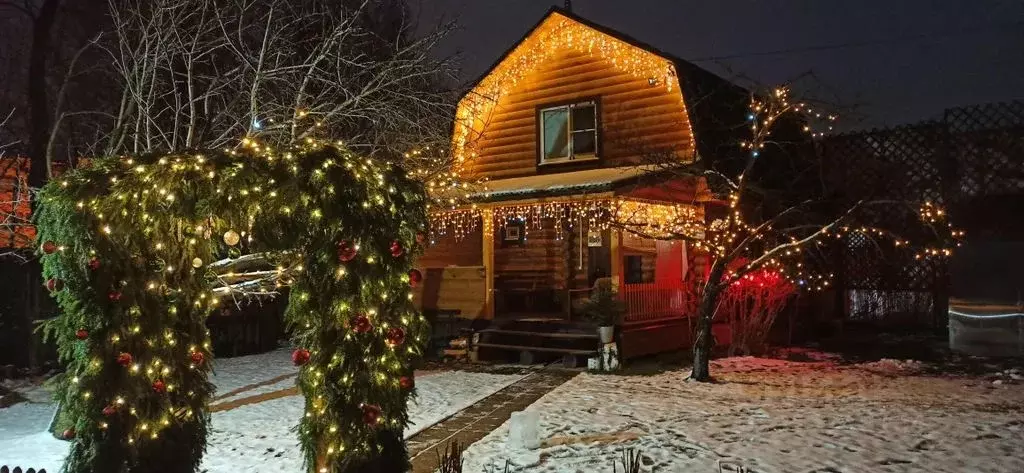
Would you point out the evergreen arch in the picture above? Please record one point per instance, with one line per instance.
(128, 247)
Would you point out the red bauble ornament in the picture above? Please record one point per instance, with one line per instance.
(197, 357)
(93, 264)
(300, 356)
(109, 411)
(114, 296)
(54, 284)
(346, 251)
(82, 334)
(396, 336)
(371, 414)
(159, 386)
(415, 277)
(124, 359)
(68, 434)
(396, 249)
(49, 247)
(361, 324)
(421, 238)
(406, 382)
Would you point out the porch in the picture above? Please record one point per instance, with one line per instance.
(523, 300)
(535, 246)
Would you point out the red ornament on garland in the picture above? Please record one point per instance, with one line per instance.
(124, 359)
(421, 238)
(406, 382)
(396, 249)
(81, 334)
(300, 356)
(159, 386)
(54, 284)
(361, 324)
(93, 264)
(49, 247)
(114, 296)
(68, 434)
(197, 357)
(346, 251)
(396, 336)
(371, 414)
(415, 277)
(109, 411)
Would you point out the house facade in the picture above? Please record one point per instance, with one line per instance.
(570, 134)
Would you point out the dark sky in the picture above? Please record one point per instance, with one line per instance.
(921, 56)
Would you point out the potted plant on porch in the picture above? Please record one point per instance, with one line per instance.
(605, 309)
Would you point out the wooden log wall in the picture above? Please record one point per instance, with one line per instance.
(450, 251)
(539, 261)
(460, 288)
(637, 117)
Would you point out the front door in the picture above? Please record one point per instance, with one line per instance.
(599, 256)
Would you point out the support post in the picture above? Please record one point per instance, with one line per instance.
(487, 242)
(617, 273)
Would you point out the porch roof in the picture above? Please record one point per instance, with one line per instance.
(639, 180)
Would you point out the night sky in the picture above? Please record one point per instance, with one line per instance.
(912, 58)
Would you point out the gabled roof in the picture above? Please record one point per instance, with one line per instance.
(716, 107)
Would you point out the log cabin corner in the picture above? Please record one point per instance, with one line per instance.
(571, 129)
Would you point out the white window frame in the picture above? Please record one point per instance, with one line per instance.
(572, 156)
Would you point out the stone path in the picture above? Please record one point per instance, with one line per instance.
(476, 421)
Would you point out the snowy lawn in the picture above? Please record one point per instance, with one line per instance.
(257, 436)
(774, 416)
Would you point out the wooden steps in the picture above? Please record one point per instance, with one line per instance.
(542, 334)
(564, 351)
(537, 339)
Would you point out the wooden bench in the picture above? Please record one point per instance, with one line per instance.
(444, 326)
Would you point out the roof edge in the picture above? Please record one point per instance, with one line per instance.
(675, 60)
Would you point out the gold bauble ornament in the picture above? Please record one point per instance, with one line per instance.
(197, 263)
(231, 237)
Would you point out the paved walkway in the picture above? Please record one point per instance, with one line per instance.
(476, 421)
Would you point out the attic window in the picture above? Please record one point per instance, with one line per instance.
(568, 132)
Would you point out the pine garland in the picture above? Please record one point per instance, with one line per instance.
(127, 245)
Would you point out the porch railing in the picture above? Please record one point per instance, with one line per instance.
(652, 301)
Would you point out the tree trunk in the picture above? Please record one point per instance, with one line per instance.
(704, 340)
(39, 109)
(38, 141)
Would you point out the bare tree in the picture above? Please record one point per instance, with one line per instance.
(52, 76)
(205, 73)
(780, 209)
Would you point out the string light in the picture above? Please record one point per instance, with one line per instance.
(556, 35)
(135, 206)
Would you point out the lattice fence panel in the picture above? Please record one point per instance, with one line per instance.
(972, 161)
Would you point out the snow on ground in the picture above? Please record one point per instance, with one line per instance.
(253, 438)
(773, 416)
